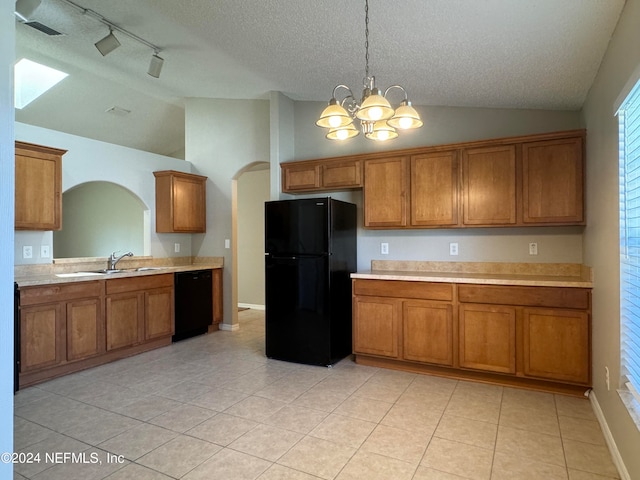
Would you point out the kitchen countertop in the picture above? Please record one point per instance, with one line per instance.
(37, 275)
(487, 273)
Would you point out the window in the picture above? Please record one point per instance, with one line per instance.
(629, 149)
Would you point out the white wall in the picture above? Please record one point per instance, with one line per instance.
(222, 137)
(253, 191)
(7, 175)
(89, 160)
(448, 125)
(601, 237)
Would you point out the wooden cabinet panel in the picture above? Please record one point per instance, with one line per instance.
(552, 181)
(85, 328)
(124, 319)
(404, 289)
(579, 298)
(487, 338)
(218, 310)
(300, 177)
(377, 326)
(557, 345)
(41, 336)
(489, 185)
(158, 314)
(347, 174)
(38, 187)
(385, 192)
(180, 202)
(427, 332)
(434, 189)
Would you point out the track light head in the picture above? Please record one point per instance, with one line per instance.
(155, 66)
(108, 44)
(25, 8)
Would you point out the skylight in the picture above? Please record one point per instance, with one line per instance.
(32, 80)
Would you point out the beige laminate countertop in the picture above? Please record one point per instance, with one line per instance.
(28, 277)
(537, 275)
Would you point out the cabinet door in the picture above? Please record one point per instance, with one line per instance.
(38, 184)
(427, 332)
(85, 328)
(376, 326)
(489, 185)
(300, 177)
(41, 336)
(487, 338)
(557, 345)
(385, 192)
(218, 310)
(346, 174)
(124, 319)
(189, 202)
(434, 189)
(158, 313)
(552, 181)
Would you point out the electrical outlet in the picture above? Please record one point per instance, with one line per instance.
(384, 249)
(533, 248)
(453, 249)
(27, 251)
(606, 377)
(227, 243)
(44, 251)
(176, 247)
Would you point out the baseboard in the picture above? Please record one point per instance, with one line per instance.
(251, 306)
(229, 328)
(608, 437)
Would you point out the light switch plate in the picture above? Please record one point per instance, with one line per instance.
(176, 247)
(27, 251)
(44, 251)
(227, 243)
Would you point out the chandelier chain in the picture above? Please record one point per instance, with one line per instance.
(366, 36)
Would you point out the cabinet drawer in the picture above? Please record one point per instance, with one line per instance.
(579, 298)
(60, 292)
(131, 284)
(402, 289)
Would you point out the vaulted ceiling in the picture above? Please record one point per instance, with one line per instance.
(532, 54)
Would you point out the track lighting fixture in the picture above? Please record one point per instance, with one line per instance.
(108, 44)
(155, 66)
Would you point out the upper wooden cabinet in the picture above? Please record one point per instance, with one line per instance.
(489, 185)
(320, 175)
(552, 181)
(434, 189)
(38, 198)
(386, 189)
(180, 202)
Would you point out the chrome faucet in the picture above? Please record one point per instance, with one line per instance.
(113, 260)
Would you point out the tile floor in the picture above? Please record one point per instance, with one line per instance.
(214, 407)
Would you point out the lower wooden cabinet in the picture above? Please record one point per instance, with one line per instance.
(376, 327)
(427, 329)
(534, 336)
(557, 345)
(487, 338)
(138, 309)
(60, 324)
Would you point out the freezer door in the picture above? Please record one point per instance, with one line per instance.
(297, 226)
(297, 319)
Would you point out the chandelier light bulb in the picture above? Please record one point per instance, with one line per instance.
(375, 113)
(334, 121)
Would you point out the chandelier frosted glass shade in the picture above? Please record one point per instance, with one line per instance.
(381, 132)
(405, 118)
(334, 116)
(343, 133)
(375, 107)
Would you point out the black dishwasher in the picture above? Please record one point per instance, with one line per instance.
(193, 303)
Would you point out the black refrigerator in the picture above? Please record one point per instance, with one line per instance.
(310, 253)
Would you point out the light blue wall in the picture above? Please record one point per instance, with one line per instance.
(7, 175)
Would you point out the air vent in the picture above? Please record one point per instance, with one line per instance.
(43, 28)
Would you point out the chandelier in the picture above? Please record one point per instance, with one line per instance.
(378, 120)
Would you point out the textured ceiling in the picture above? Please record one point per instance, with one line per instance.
(537, 54)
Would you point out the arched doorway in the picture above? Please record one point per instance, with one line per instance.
(250, 189)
